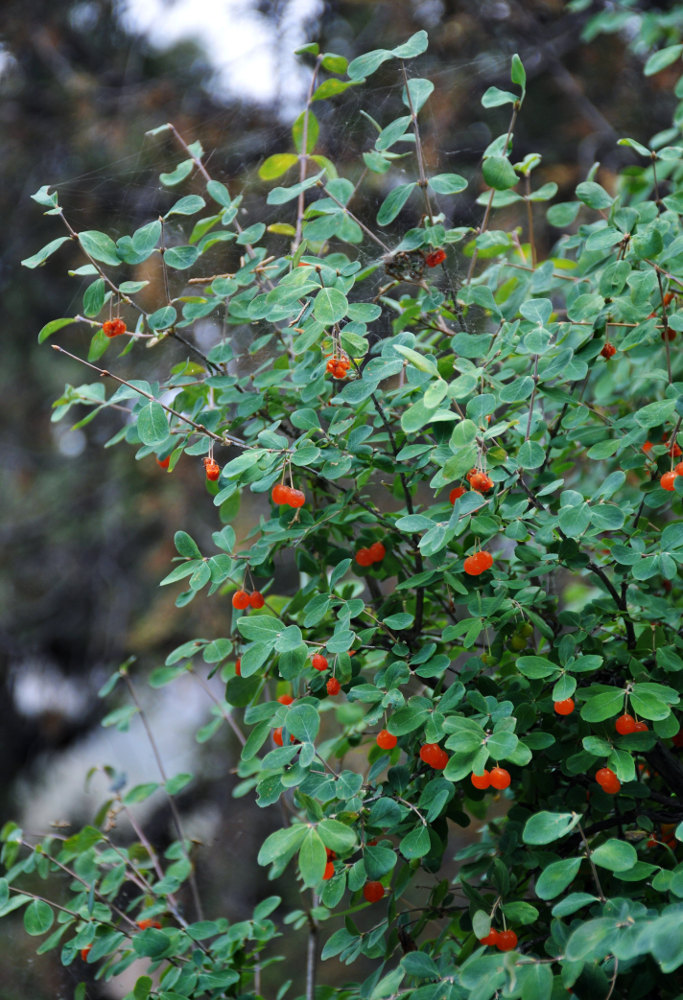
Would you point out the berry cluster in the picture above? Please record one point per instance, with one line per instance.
(338, 367)
(113, 327)
(285, 495)
(375, 553)
(478, 563)
(212, 469)
(497, 778)
(626, 724)
(241, 600)
(502, 940)
(479, 481)
(608, 780)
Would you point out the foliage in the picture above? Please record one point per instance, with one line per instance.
(483, 535)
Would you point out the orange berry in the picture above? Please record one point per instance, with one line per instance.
(481, 482)
(212, 469)
(318, 662)
(481, 781)
(373, 892)
(329, 871)
(478, 563)
(85, 952)
(164, 463)
(386, 740)
(491, 938)
(667, 481)
(285, 699)
(640, 727)
(280, 493)
(500, 778)
(257, 600)
(435, 257)
(565, 707)
(296, 498)
(277, 736)
(608, 780)
(608, 351)
(333, 686)
(377, 551)
(145, 924)
(238, 667)
(458, 491)
(434, 755)
(625, 724)
(364, 558)
(240, 600)
(647, 446)
(113, 328)
(507, 940)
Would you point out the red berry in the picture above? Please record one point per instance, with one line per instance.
(565, 707)
(377, 551)
(434, 755)
(608, 780)
(113, 328)
(678, 739)
(481, 482)
(458, 491)
(491, 938)
(481, 781)
(434, 258)
(647, 446)
(333, 686)
(640, 727)
(608, 351)
(679, 469)
(386, 740)
(277, 736)
(296, 498)
(373, 892)
(318, 662)
(667, 481)
(507, 940)
(331, 366)
(364, 558)
(625, 724)
(212, 469)
(667, 298)
(257, 600)
(285, 699)
(331, 855)
(329, 871)
(240, 600)
(478, 563)
(668, 333)
(85, 952)
(672, 447)
(238, 667)
(145, 924)
(280, 493)
(164, 463)
(500, 779)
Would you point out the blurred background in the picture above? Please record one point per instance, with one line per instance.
(86, 533)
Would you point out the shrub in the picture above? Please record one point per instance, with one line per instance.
(471, 486)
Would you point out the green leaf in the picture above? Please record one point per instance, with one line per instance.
(38, 917)
(494, 97)
(152, 424)
(42, 255)
(365, 65)
(517, 72)
(447, 183)
(275, 166)
(182, 171)
(499, 173)
(536, 667)
(416, 843)
(53, 326)
(337, 836)
(419, 90)
(282, 843)
(660, 60)
(189, 205)
(531, 455)
(162, 319)
(219, 193)
(330, 88)
(303, 722)
(593, 195)
(536, 981)
(330, 306)
(180, 258)
(309, 123)
(312, 858)
(556, 877)
(415, 46)
(615, 855)
(186, 546)
(599, 707)
(99, 246)
(393, 203)
(546, 827)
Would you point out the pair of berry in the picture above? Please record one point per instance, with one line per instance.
(478, 563)
(375, 553)
(608, 780)
(479, 481)
(285, 495)
(502, 940)
(338, 367)
(497, 778)
(626, 724)
(434, 755)
(241, 600)
(113, 328)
